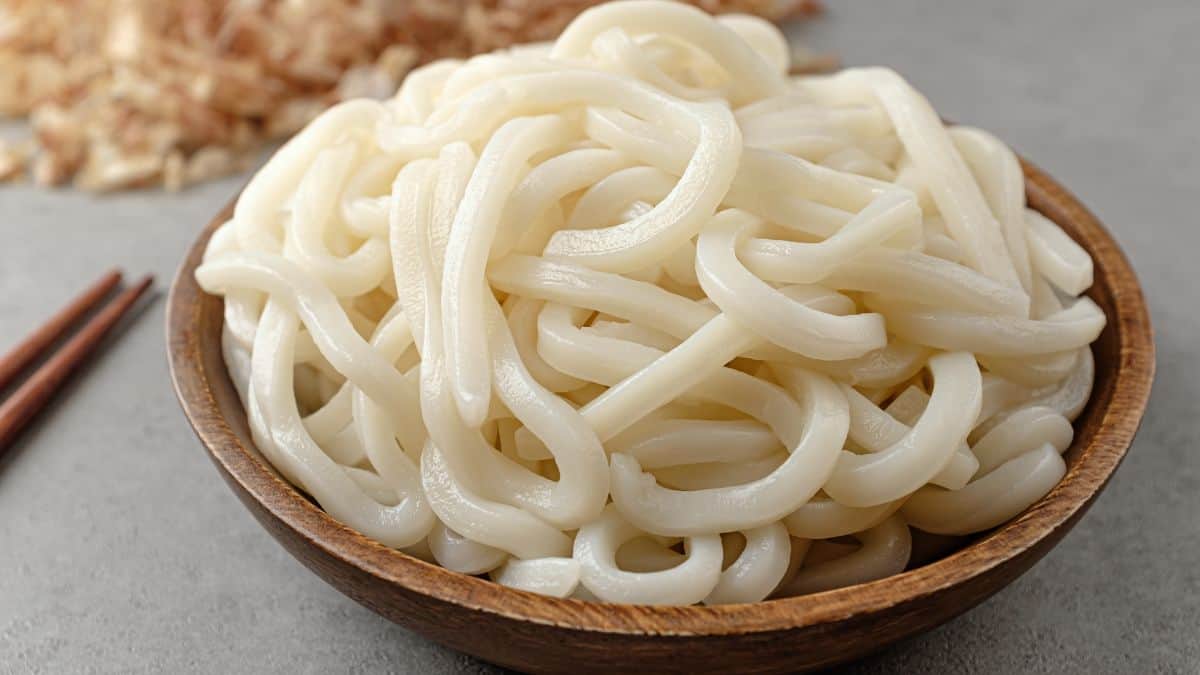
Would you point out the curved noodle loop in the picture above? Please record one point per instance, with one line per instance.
(638, 317)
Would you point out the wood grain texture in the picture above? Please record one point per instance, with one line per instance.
(538, 634)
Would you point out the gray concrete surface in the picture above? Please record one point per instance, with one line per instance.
(121, 550)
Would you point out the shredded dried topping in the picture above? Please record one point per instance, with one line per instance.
(129, 93)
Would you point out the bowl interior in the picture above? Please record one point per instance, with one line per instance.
(1124, 356)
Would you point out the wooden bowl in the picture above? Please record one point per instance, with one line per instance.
(539, 634)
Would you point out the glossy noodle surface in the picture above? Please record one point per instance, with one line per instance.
(638, 317)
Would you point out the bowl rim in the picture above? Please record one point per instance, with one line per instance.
(1085, 478)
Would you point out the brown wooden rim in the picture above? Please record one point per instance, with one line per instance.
(1114, 433)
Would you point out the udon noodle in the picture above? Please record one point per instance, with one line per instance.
(637, 317)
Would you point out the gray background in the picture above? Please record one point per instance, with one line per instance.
(121, 550)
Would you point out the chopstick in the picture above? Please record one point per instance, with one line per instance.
(32, 396)
(20, 357)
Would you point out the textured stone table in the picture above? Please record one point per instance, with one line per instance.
(122, 551)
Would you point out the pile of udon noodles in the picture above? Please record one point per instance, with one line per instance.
(636, 317)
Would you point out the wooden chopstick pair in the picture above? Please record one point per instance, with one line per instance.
(19, 409)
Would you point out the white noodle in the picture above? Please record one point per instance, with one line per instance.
(636, 317)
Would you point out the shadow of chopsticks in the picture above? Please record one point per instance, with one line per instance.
(34, 395)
